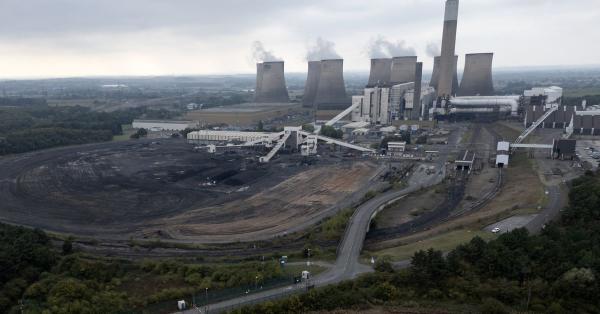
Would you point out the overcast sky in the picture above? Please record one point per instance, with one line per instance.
(58, 38)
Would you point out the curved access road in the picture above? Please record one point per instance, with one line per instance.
(347, 265)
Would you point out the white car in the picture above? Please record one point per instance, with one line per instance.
(496, 230)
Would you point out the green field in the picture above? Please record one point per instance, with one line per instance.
(581, 92)
(127, 132)
(444, 242)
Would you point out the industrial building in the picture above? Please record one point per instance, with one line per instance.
(447, 58)
(482, 107)
(477, 76)
(580, 119)
(164, 125)
(270, 83)
(331, 89)
(294, 139)
(396, 149)
(465, 161)
(502, 154)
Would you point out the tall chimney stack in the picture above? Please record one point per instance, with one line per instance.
(448, 49)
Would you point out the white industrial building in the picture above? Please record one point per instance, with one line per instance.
(502, 154)
(396, 148)
(553, 93)
(382, 105)
(164, 125)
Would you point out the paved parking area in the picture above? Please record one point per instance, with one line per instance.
(585, 153)
(511, 223)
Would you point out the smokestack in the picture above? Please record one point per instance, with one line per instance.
(416, 112)
(435, 76)
(380, 72)
(312, 83)
(477, 77)
(331, 90)
(448, 49)
(403, 69)
(270, 83)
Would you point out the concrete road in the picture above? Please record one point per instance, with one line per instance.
(557, 199)
(511, 223)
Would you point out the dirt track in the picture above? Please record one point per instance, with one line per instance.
(163, 189)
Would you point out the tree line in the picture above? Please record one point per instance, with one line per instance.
(26, 129)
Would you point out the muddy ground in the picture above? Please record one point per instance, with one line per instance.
(163, 189)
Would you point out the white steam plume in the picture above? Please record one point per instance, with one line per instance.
(260, 54)
(322, 50)
(382, 48)
(433, 49)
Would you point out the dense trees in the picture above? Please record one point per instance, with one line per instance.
(330, 131)
(24, 255)
(34, 272)
(554, 272)
(32, 128)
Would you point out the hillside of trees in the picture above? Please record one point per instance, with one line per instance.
(556, 271)
(26, 129)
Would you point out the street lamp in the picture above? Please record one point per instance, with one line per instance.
(206, 295)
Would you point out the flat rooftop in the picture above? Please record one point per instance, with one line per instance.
(164, 121)
(250, 107)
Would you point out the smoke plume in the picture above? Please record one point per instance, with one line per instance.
(260, 54)
(381, 48)
(323, 49)
(433, 49)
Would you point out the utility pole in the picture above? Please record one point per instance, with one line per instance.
(206, 295)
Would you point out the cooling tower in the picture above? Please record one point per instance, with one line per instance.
(312, 83)
(270, 83)
(477, 77)
(403, 69)
(331, 90)
(259, 72)
(435, 76)
(416, 112)
(447, 66)
(380, 72)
